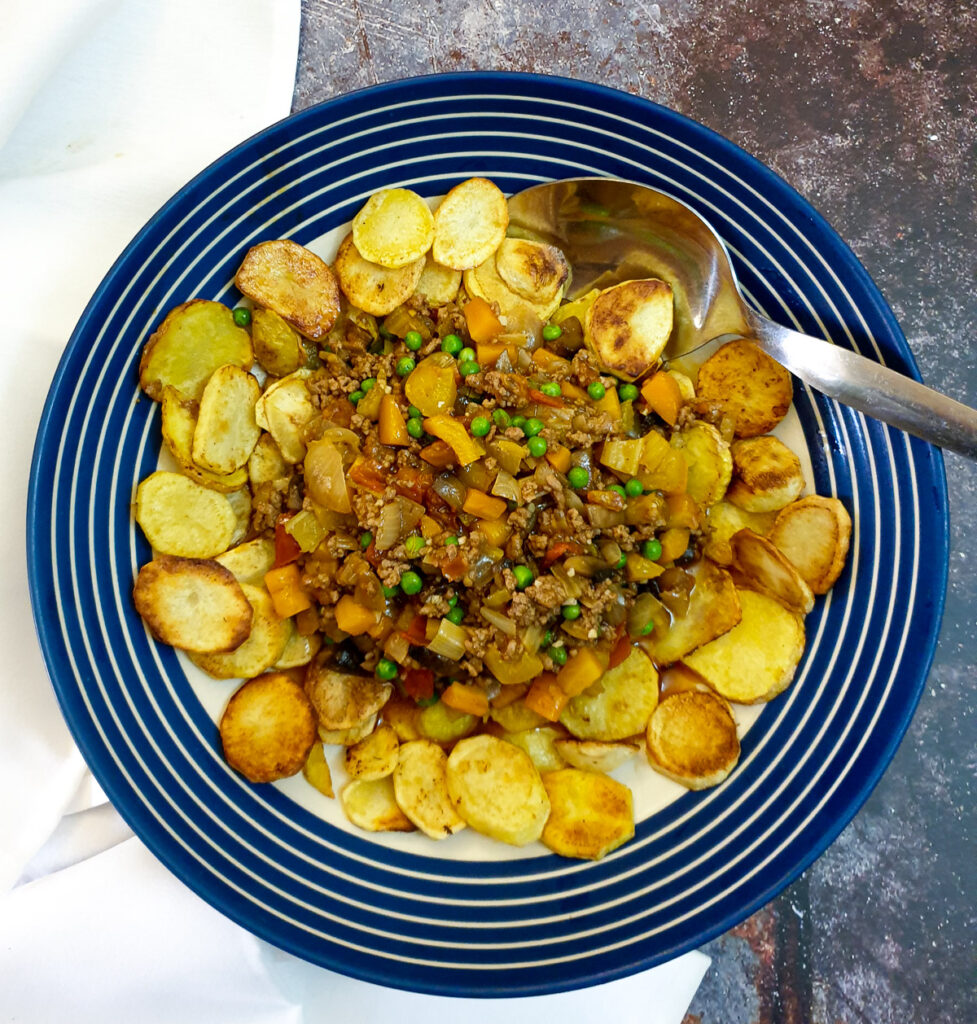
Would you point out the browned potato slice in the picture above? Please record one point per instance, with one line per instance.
(469, 224)
(241, 504)
(277, 347)
(438, 285)
(402, 715)
(713, 609)
(540, 745)
(299, 649)
(284, 410)
(347, 737)
(723, 520)
(619, 705)
(193, 604)
(709, 461)
(268, 728)
(376, 290)
(497, 790)
(250, 561)
(421, 789)
(226, 431)
(756, 660)
(287, 278)
(179, 421)
(266, 463)
(628, 326)
(182, 518)
(814, 534)
(484, 281)
(590, 814)
(532, 270)
(747, 385)
(316, 770)
(370, 804)
(767, 474)
(375, 755)
(191, 342)
(766, 569)
(259, 652)
(394, 228)
(595, 756)
(343, 700)
(692, 739)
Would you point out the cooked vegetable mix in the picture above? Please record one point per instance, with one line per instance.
(477, 535)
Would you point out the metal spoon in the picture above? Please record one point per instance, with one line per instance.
(612, 230)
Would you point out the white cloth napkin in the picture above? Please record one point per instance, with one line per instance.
(106, 108)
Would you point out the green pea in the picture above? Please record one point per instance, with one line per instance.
(578, 477)
(468, 367)
(647, 629)
(451, 540)
(524, 576)
(367, 385)
(414, 412)
(456, 615)
(389, 592)
(413, 340)
(519, 422)
(621, 562)
(551, 332)
(570, 612)
(452, 344)
(414, 546)
(405, 365)
(596, 390)
(547, 638)
(480, 426)
(411, 583)
(652, 549)
(386, 669)
(366, 539)
(558, 655)
(634, 488)
(617, 489)
(453, 600)
(501, 419)
(537, 447)
(357, 396)
(551, 388)
(627, 392)
(242, 316)
(532, 427)
(415, 427)
(466, 354)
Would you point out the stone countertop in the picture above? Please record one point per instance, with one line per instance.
(868, 110)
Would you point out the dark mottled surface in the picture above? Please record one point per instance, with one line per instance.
(868, 109)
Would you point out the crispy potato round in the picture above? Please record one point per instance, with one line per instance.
(283, 410)
(594, 755)
(421, 789)
(709, 460)
(590, 814)
(484, 282)
(375, 755)
(619, 706)
(394, 228)
(767, 569)
(628, 326)
(259, 652)
(299, 649)
(437, 285)
(268, 728)
(277, 346)
(767, 475)
(316, 771)
(374, 289)
(723, 520)
(692, 739)
(814, 534)
(469, 224)
(226, 431)
(179, 421)
(541, 746)
(347, 737)
(250, 561)
(370, 804)
(179, 517)
(756, 660)
(289, 279)
(193, 604)
(533, 270)
(754, 390)
(341, 699)
(497, 790)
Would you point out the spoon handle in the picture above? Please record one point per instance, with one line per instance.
(871, 388)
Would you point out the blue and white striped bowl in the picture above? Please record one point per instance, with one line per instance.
(391, 912)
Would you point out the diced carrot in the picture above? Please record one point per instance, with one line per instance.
(620, 651)
(429, 527)
(610, 404)
(287, 593)
(509, 695)
(287, 548)
(466, 697)
(466, 448)
(419, 683)
(478, 503)
(550, 361)
(674, 542)
(547, 697)
(307, 622)
(552, 401)
(416, 632)
(487, 353)
(455, 568)
(495, 531)
(661, 392)
(412, 483)
(367, 475)
(581, 671)
(558, 550)
(558, 456)
(439, 454)
(572, 391)
(483, 324)
(392, 427)
(351, 616)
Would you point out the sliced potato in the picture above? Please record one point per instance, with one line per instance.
(182, 518)
(438, 285)
(394, 228)
(766, 568)
(250, 561)
(723, 520)
(284, 410)
(752, 389)
(516, 717)
(469, 224)
(370, 804)
(595, 756)
(692, 739)
(443, 724)
(756, 660)
(767, 474)
(628, 326)
(179, 421)
(191, 342)
(193, 604)
(497, 790)
(375, 755)
(421, 789)
(484, 281)
(226, 431)
(713, 609)
(277, 346)
(289, 279)
(814, 534)
(374, 289)
(259, 652)
(347, 737)
(343, 700)
(590, 814)
(618, 705)
(541, 746)
(266, 463)
(299, 649)
(709, 460)
(241, 504)
(316, 771)
(532, 270)
(268, 728)
(402, 715)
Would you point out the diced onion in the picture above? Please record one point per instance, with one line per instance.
(505, 486)
(449, 641)
(388, 530)
(497, 619)
(451, 489)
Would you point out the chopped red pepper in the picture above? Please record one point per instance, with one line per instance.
(551, 400)
(419, 683)
(368, 475)
(620, 651)
(455, 568)
(416, 632)
(412, 483)
(558, 550)
(287, 548)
